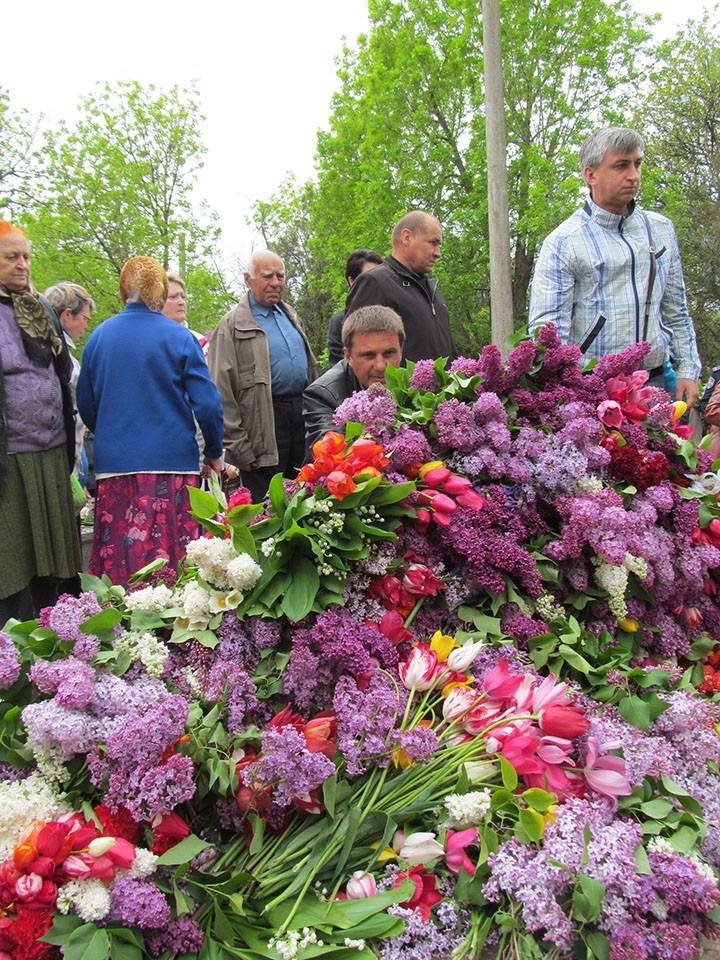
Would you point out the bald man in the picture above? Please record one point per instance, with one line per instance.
(403, 282)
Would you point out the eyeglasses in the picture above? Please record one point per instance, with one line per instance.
(81, 316)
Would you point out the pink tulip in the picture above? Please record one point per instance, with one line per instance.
(458, 702)
(28, 886)
(421, 669)
(605, 774)
(455, 843)
(121, 853)
(436, 477)
(361, 885)
(460, 658)
(455, 485)
(499, 683)
(420, 581)
(472, 500)
(610, 414)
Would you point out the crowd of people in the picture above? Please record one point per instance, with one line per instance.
(166, 407)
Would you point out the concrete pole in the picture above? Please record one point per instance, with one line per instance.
(501, 304)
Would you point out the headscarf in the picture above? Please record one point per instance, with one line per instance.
(144, 279)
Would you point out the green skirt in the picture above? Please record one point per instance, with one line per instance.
(38, 530)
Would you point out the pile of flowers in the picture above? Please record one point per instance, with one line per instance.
(448, 693)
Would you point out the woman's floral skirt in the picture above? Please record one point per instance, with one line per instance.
(138, 518)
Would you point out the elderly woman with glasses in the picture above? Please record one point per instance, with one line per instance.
(143, 377)
(39, 545)
(73, 305)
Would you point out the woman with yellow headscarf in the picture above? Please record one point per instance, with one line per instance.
(143, 378)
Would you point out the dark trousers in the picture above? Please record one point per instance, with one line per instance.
(290, 440)
(41, 592)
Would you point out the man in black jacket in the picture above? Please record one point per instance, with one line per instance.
(372, 337)
(359, 261)
(402, 282)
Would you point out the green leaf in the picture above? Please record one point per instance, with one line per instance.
(658, 808)
(636, 711)
(509, 774)
(202, 504)
(588, 897)
(642, 864)
(300, 595)
(538, 799)
(87, 943)
(121, 950)
(597, 943)
(684, 839)
(183, 852)
(103, 621)
(532, 824)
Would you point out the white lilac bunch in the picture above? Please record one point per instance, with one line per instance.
(614, 580)
(468, 809)
(146, 648)
(195, 601)
(219, 564)
(156, 599)
(21, 803)
(88, 898)
(289, 946)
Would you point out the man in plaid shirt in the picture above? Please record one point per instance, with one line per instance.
(610, 275)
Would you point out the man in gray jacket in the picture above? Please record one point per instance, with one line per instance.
(261, 361)
(372, 338)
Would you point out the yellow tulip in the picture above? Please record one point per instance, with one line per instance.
(680, 408)
(629, 625)
(431, 465)
(441, 645)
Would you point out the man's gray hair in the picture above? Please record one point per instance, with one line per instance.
(621, 140)
(255, 255)
(72, 296)
(374, 318)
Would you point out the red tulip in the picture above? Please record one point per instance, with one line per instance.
(563, 720)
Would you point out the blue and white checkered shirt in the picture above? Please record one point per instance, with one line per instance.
(591, 280)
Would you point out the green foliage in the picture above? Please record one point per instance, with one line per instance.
(681, 116)
(286, 226)
(119, 183)
(407, 130)
(17, 160)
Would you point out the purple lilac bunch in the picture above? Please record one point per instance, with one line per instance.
(542, 879)
(286, 765)
(137, 767)
(334, 646)
(66, 618)
(10, 665)
(368, 721)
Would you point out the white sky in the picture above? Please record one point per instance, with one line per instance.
(266, 75)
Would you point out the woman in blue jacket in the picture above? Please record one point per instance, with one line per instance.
(143, 377)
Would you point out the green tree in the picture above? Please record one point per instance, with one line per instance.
(120, 183)
(18, 173)
(681, 116)
(284, 222)
(407, 130)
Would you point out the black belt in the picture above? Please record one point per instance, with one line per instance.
(286, 397)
